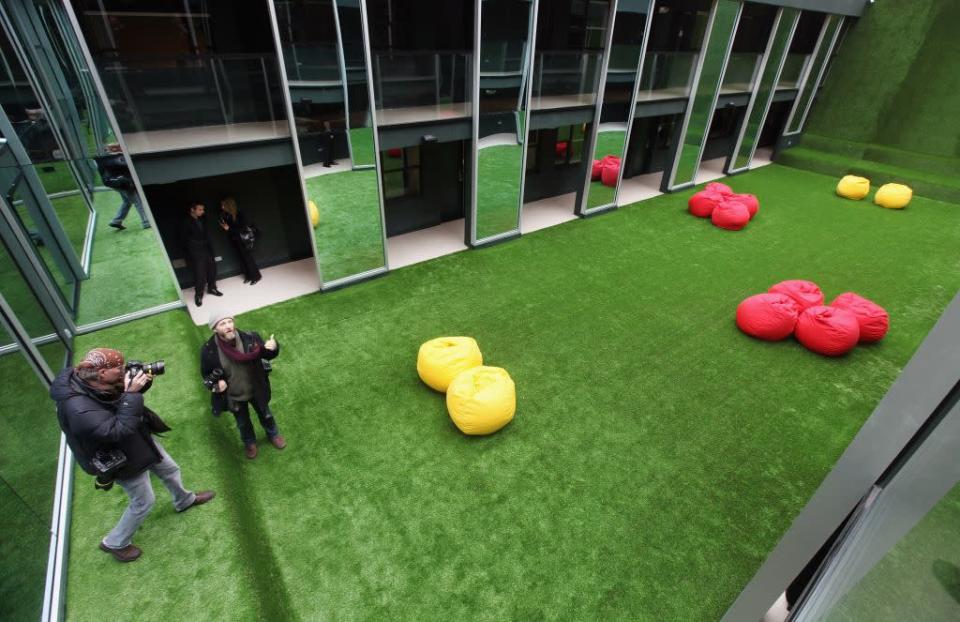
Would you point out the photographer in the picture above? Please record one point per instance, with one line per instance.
(234, 365)
(110, 431)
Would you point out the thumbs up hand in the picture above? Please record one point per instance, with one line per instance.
(271, 343)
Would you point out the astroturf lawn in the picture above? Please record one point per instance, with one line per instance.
(656, 457)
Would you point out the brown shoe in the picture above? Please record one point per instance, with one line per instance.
(200, 498)
(251, 451)
(128, 553)
(278, 441)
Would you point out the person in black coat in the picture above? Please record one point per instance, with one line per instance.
(232, 365)
(115, 174)
(233, 222)
(199, 252)
(100, 409)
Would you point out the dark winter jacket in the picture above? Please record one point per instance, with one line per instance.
(195, 238)
(91, 422)
(114, 172)
(210, 360)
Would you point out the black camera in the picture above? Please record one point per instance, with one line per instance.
(107, 462)
(156, 368)
(211, 380)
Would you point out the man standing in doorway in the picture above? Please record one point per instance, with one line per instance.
(196, 242)
(233, 366)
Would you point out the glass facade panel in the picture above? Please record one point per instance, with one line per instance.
(722, 26)
(813, 74)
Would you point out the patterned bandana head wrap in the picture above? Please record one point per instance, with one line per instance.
(101, 358)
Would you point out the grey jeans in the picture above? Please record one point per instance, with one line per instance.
(141, 496)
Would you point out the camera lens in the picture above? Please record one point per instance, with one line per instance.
(156, 368)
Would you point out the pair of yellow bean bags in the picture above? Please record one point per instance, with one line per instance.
(480, 399)
(891, 196)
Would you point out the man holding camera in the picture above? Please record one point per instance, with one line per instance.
(234, 368)
(110, 431)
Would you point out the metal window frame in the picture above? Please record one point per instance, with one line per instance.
(526, 93)
(926, 380)
(670, 184)
(590, 145)
(292, 125)
(805, 81)
(730, 168)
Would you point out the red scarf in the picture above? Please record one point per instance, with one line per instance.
(236, 355)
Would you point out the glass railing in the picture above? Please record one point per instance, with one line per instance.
(413, 87)
(315, 62)
(667, 75)
(565, 79)
(197, 91)
(793, 67)
(741, 71)
(502, 58)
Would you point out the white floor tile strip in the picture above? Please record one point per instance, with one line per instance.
(279, 283)
(547, 212)
(416, 246)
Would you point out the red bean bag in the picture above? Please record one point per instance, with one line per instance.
(596, 170)
(396, 152)
(750, 201)
(610, 172)
(770, 317)
(804, 293)
(730, 215)
(723, 189)
(703, 203)
(830, 331)
(561, 148)
(874, 320)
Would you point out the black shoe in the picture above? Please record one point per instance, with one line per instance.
(118, 226)
(198, 299)
(246, 280)
(215, 291)
(254, 281)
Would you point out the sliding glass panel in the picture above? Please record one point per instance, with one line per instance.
(703, 98)
(900, 558)
(762, 97)
(323, 46)
(502, 91)
(814, 73)
(31, 214)
(630, 33)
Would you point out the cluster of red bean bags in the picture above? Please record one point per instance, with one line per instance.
(796, 307)
(726, 208)
(561, 149)
(606, 170)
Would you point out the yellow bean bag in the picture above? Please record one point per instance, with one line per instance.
(314, 213)
(853, 187)
(439, 360)
(893, 196)
(482, 400)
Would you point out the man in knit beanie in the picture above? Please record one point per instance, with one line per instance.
(234, 368)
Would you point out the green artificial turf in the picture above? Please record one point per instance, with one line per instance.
(126, 271)
(23, 557)
(498, 190)
(348, 237)
(657, 454)
(361, 146)
(918, 579)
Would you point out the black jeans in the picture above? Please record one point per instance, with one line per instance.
(204, 271)
(241, 412)
(250, 270)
